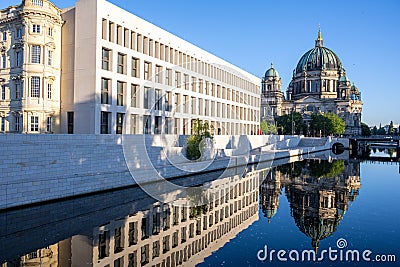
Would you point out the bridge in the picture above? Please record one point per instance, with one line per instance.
(361, 143)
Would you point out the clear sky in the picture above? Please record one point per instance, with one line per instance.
(252, 34)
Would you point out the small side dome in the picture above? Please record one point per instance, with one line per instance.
(355, 93)
(344, 79)
(354, 89)
(271, 72)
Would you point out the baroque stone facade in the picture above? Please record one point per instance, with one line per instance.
(30, 52)
(319, 84)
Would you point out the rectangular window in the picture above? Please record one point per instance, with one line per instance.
(49, 90)
(121, 63)
(104, 29)
(17, 123)
(118, 240)
(49, 124)
(147, 70)
(105, 91)
(177, 79)
(50, 58)
(34, 124)
(119, 262)
(132, 259)
(120, 123)
(119, 35)
(104, 122)
(156, 249)
(147, 124)
(176, 125)
(177, 103)
(70, 122)
(134, 121)
(120, 93)
(50, 31)
(35, 86)
(4, 36)
(111, 31)
(18, 59)
(186, 84)
(36, 28)
(4, 61)
(158, 98)
(144, 255)
(148, 101)
(168, 74)
(103, 250)
(135, 67)
(3, 92)
(168, 101)
(158, 74)
(106, 59)
(36, 52)
(19, 33)
(126, 37)
(134, 92)
(3, 124)
(165, 244)
(132, 233)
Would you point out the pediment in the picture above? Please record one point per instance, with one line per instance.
(308, 99)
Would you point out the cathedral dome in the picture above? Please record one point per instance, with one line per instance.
(319, 58)
(271, 72)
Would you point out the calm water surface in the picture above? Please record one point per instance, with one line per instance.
(300, 206)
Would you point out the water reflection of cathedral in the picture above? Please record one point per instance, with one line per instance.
(319, 193)
(166, 234)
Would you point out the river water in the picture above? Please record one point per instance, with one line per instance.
(343, 212)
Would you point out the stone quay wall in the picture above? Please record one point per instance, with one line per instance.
(37, 168)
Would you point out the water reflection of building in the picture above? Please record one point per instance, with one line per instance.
(167, 234)
(44, 257)
(270, 192)
(319, 193)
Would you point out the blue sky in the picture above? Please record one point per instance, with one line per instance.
(252, 34)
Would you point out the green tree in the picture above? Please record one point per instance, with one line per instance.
(326, 124)
(285, 125)
(381, 130)
(391, 128)
(374, 130)
(365, 130)
(337, 126)
(201, 130)
(268, 127)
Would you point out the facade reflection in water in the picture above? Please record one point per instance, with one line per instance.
(164, 235)
(319, 193)
(176, 233)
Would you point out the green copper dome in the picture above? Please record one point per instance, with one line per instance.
(271, 72)
(319, 58)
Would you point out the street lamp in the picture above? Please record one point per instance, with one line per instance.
(292, 122)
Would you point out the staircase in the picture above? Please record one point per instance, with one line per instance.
(312, 142)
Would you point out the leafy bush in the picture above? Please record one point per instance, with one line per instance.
(201, 130)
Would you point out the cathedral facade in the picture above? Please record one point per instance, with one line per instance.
(319, 85)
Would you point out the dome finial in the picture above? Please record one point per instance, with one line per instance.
(319, 41)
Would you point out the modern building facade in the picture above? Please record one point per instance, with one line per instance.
(30, 52)
(319, 84)
(96, 68)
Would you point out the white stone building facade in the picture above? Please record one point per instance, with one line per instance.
(112, 72)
